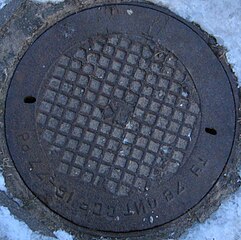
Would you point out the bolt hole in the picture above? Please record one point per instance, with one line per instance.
(29, 99)
(211, 131)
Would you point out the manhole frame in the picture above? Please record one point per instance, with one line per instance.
(228, 182)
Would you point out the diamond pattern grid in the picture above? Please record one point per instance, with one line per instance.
(79, 115)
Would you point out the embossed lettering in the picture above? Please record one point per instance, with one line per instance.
(25, 148)
(140, 207)
(202, 161)
(84, 206)
(128, 210)
(152, 203)
(97, 209)
(24, 137)
(197, 168)
(51, 180)
(180, 188)
(110, 211)
(62, 192)
(168, 195)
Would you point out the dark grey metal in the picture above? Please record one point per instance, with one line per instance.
(121, 124)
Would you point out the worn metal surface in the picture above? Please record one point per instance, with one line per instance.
(122, 124)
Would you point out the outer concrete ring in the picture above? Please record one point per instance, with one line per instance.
(21, 22)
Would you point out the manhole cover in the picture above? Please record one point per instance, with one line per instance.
(120, 118)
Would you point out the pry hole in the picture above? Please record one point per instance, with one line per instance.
(211, 131)
(29, 99)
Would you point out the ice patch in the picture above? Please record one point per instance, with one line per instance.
(222, 19)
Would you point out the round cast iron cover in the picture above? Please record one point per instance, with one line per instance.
(120, 118)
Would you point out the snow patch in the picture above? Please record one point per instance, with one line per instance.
(223, 224)
(13, 229)
(62, 235)
(3, 3)
(2, 183)
(222, 19)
